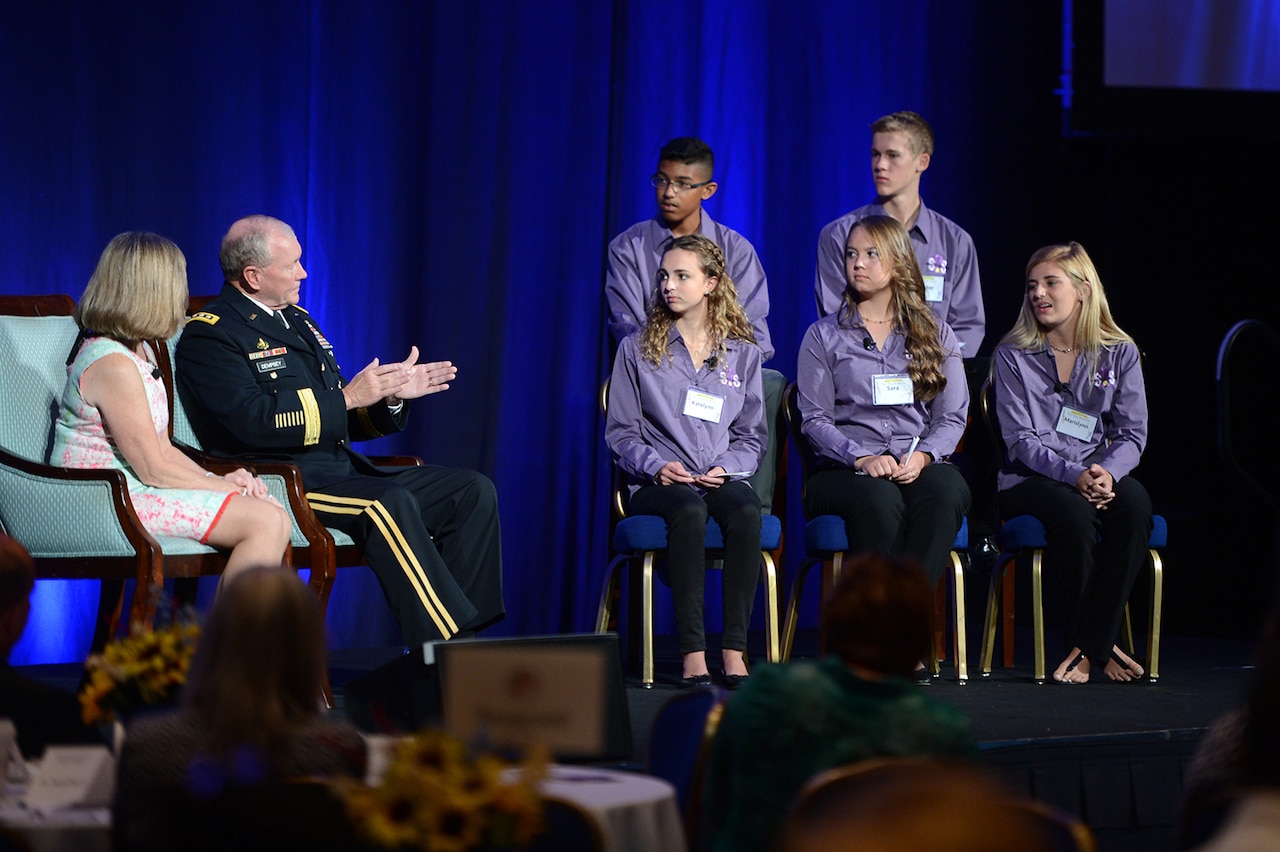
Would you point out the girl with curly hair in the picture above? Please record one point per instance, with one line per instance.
(686, 425)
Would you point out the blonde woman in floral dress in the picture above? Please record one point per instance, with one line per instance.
(114, 411)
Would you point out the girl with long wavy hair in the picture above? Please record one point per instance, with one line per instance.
(1072, 406)
(883, 402)
(686, 425)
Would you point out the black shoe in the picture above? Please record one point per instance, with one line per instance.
(732, 682)
(985, 551)
(695, 680)
(922, 676)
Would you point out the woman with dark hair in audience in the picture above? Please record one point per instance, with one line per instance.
(41, 714)
(686, 424)
(884, 401)
(1072, 407)
(1231, 790)
(115, 412)
(250, 714)
(792, 721)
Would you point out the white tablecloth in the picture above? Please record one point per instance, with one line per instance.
(636, 813)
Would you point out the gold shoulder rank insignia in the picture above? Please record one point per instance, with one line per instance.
(204, 316)
(304, 310)
(262, 344)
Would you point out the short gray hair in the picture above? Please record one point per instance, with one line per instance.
(247, 243)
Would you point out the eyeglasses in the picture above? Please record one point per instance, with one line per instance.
(660, 182)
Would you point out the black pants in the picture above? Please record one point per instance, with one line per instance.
(1094, 554)
(919, 519)
(978, 460)
(431, 535)
(736, 509)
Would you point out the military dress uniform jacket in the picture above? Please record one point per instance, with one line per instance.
(255, 390)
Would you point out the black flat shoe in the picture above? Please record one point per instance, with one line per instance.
(695, 680)
(732, 682)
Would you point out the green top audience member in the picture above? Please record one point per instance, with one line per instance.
(790, 722)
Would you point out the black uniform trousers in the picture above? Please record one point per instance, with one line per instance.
(919, 519)
(736, 509)
(1094, 554)
(431, 535)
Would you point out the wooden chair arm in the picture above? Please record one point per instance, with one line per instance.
(126, 517)
(396, 461)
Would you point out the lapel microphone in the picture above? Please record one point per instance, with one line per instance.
(869, 345)
(711, 362)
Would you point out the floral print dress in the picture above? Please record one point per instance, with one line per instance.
(81, 441)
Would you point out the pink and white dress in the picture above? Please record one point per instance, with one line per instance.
(81, 441)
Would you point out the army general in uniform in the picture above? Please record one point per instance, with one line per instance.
(260, 382)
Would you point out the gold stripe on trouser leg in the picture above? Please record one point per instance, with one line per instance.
(399, 547)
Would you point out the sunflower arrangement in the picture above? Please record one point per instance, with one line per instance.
(436, 795)
(148, 666)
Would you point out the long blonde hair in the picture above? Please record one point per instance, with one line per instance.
(910, 311)
(726, 320)
(1095, 329)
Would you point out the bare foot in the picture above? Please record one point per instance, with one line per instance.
(1121, 667)
(734, 662)
(695, 665)
(1074, 669)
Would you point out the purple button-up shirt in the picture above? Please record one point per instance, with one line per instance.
(842, 424)
(647, 427)
(1029, 403)
(632, 279)
(942, 248)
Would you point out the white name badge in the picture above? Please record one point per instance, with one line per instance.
(892, 389)
(1077, 423)
(703, 405)
(933, 288)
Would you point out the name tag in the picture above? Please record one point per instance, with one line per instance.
(1077, 423)
(892, 389)
(933, 288)
(273, 364)
(703, 405)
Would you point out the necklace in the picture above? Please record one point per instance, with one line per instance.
(877, 322)
(1066, 351)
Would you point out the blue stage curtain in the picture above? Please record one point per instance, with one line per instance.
(454, 171)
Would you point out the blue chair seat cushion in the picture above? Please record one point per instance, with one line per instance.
(1025, 532)
(825, 535)
(640, 533)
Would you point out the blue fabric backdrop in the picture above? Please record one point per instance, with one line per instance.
(454, 171)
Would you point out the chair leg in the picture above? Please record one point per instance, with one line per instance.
(110, 604)
(646, 591)
(992, 615)
(1126, 632)
(770, 578)
(1037, 611)
(793, 610)
(1153, 618)
(938, 644)
(604, 612)
(830, 577)
(957, 597)
(1009, 593)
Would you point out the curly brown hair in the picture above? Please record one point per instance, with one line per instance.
(726, 320)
